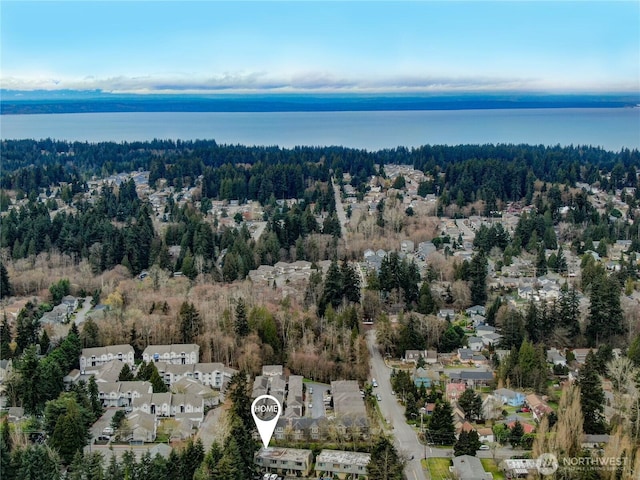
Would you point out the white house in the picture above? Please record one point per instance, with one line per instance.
(181, 354)
(97, 356)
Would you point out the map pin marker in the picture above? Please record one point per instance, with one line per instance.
(266, 411)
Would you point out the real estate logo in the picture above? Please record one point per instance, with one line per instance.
(547, 464)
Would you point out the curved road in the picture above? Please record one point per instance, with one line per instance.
(405, 437)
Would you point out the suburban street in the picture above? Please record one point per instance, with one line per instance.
(405, 437)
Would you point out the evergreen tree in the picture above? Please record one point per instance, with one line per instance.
(426, 302)
(385, 463)
(37, 462)
(5, 339)
(441, 428)
(192, 457)
(605, 312)
(350, 282)
(94, 397)
(188, 267)
(6, 289)
(241, 325)
(29, 382)
(561, 262)
(517, 432)
(27, 326)
(333, 287)
(492, 311)
(591, 397)
(156, 382)
(541, 262)
(90, 336)
(126, 375)
(478, 272)
(190, 322)
(240, 447)
(467, 444)
(6, 446)
(69, 435)
(569, 311)
(512, 330)
(471, 403)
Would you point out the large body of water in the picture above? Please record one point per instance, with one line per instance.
(610, 128)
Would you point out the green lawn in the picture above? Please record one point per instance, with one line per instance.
(490, 466)
(439, 468)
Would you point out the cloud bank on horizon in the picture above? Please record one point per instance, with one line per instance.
(208, 47)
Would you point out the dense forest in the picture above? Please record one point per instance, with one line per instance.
(490, 172)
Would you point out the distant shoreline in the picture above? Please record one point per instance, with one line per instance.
(25, 103)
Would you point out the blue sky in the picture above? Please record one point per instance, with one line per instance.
(267, 46)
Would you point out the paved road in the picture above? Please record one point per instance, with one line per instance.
(82, 313)
(406, 440)
(103, 422)
(342, 216)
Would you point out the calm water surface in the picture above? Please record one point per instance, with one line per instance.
(610, 128)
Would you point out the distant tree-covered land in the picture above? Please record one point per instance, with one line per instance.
(111, 225)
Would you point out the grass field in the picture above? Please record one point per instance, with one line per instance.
(490, 465)
(439, 468)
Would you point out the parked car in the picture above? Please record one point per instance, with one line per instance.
(374, 383)
(484, 447)
(379, 398)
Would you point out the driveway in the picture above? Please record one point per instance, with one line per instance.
(103, 422)
(82, 313)
(317, 411)
(406, 440)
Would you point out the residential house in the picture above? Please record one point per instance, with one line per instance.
(509, 397)
(555, 357)
(97, 356)
(477, 320)
(466, 467)
(482, 330)
(122, 394)
(332, 463)
(526, 426)
(5, 369)
(425, 249)
(454, 390)
(272, 370)
(212, 374)
(154, 403)
(472, 378)
(475, 344)
(467, 355)
(295, 403)
(594, 441)
(538, 406)
(141, 427)
(423, 376)
(183, 354)
(476, 310)
(491, 339)
(581, 354)
(194, 387)
(486, 435)
(406, 246)
(285, 461)
(347, 400)
(445, 313)
(429, 356)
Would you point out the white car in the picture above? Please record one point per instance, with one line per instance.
(484, 447)
(379, 398)
(310, 390)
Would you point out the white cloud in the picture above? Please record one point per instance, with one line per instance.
(309, 81)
